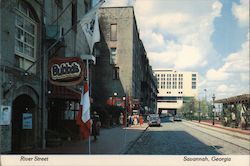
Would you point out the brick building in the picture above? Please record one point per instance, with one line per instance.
(122, 67)
(31, 34)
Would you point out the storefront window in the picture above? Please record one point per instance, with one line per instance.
(71, 110)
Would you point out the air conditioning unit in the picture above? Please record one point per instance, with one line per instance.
(54, 32)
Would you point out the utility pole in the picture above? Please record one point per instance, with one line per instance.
(213, 109)
(199, 111)
(205, 90)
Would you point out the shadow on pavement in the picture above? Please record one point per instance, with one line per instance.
(170, 143)
(110, 141)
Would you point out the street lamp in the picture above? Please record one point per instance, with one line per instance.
(199, 111)
(125, 106)
(213, 107)
(114, 99)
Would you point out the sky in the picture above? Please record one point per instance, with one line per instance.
(210, 37)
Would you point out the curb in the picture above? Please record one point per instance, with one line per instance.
(131, 144)
(224, 128)
(207, 126)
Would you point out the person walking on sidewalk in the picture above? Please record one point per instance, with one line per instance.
(130, 120)
(121, 119)
(135, 120)
(141, 120)
(95, 126)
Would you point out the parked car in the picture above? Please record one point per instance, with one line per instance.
(177, 118)
(154, 120)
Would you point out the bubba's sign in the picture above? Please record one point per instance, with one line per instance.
(66, 71)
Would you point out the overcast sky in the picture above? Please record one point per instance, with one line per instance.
(210, 37)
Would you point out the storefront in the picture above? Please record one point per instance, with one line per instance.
(62, 111)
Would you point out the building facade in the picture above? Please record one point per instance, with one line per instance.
(20, 91)
(175, 88)
(32, 34)
(122, 67)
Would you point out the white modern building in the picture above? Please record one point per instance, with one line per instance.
(175, 88)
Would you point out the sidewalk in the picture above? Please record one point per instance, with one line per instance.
(114, 140)
(236, 132)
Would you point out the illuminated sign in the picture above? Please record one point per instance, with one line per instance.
(66, 71)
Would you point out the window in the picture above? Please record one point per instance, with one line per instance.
(180, 85)
(116, 73)
(113, 35)
(168, 85)
(86, 6)
(70, 112)
(113, 57)
(163, 85)
(174, 85)
(25, 36)
(193, 85)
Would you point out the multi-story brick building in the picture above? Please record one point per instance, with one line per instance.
(36, 31)
(32, 32)
(175, 88)
(20, 47)
(122, 67)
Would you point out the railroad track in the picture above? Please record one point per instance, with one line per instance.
(212, 135)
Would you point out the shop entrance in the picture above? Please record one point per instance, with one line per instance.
(23, 123)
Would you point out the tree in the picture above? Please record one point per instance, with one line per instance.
(193, 104)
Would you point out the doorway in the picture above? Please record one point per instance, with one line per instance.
(23, 123)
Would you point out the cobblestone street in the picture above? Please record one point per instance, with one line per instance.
(184, 138)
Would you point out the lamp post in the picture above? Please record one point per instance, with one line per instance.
(199, 111)
(191, 115)
(125, 107)
(213, 107)
(114, 99)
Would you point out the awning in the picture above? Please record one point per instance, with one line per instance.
(245, 98)
(63, 92)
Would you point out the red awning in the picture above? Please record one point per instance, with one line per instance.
(63, 92)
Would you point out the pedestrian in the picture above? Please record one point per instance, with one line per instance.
(135, 120)
(130, 120)
(121, 119)
(95, 126)
(141, 120)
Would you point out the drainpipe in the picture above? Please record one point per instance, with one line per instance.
(43, 77)
(1, 75)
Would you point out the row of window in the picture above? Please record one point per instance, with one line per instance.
(174, 86)
(171, 84)
(169, 79)
(193, 81)
(168, 75)
(178, 92)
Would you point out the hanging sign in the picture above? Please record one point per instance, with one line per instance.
(5, 115)
(66, 71)
(27, 121)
